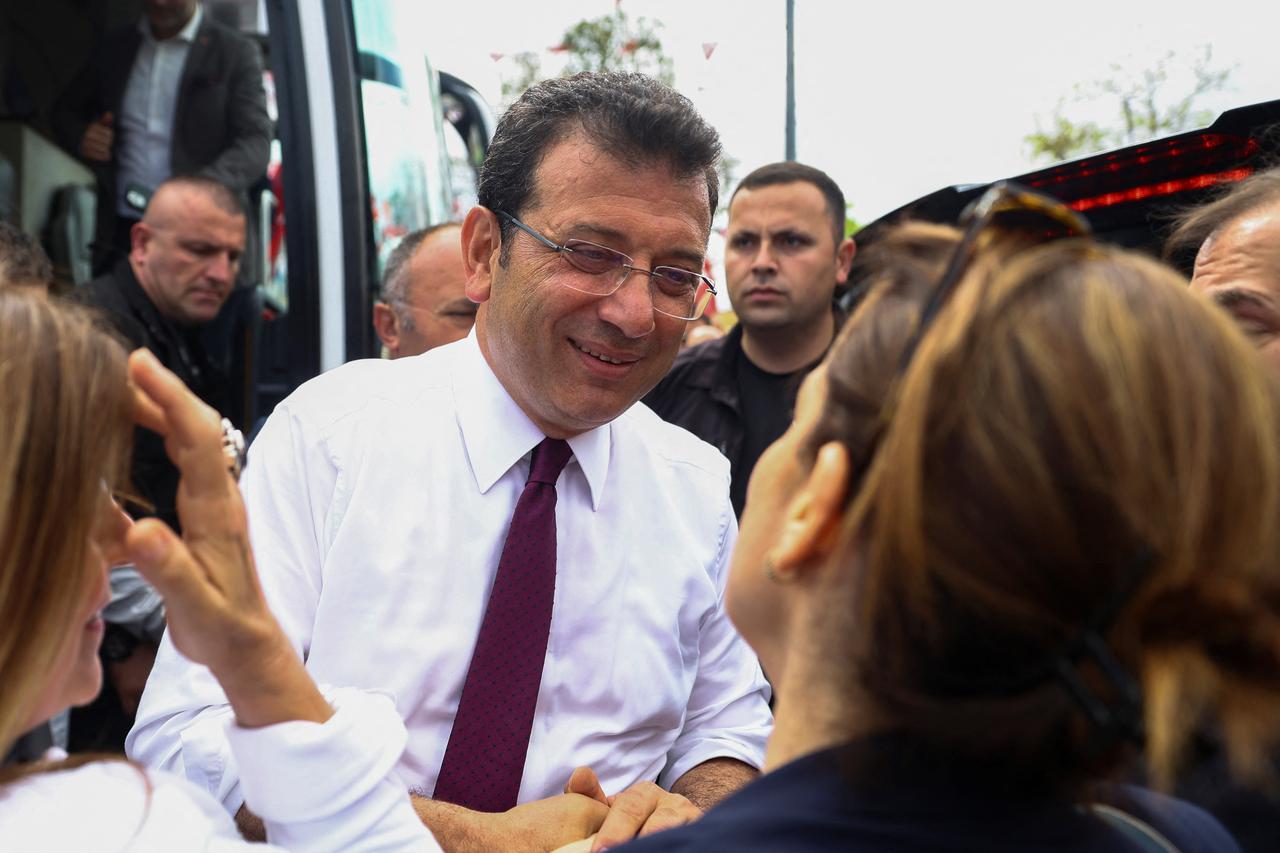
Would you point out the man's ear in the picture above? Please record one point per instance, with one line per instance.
(811, 530)
(139, 235)
(844, 259)
(387, 327)
(481, 241)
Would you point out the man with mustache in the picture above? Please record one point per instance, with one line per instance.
(785, 255)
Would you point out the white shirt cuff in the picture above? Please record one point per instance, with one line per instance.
(302, 771)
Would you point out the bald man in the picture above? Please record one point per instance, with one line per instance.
(423, 303)
(182, 264)
(181, 267)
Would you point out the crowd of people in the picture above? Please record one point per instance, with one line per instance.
(971, 567)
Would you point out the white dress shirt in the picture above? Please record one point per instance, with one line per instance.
(146, 114)
(379, 497)
(318, 787)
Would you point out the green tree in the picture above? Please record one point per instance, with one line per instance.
(616, 43)
(1144, 108)
(528, 71)
(851, 225)
(612, 42)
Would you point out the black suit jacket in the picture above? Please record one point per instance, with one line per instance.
(221, 128)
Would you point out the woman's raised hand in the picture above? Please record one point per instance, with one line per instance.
(214, 604)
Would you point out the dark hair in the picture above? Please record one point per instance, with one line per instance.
(22, 261)
(634, 118)
(791, 172)
(1198, 224)
(226, 199)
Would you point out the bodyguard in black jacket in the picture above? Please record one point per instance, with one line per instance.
(785, 256)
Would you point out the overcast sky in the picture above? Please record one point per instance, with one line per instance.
(894, 100)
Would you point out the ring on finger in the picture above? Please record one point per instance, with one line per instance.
(233, 449)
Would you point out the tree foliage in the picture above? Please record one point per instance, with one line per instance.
(1144, 107)
(611, 42)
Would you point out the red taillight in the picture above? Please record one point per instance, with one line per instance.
(1198, 154)
(1161, 189)
(1151, 170)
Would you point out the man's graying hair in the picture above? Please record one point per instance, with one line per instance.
(632, 117)
(395, 277)
(1193, 227)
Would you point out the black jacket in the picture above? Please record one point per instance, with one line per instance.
(700, 393)
(128, 310)
(221, 129)
(934, 803)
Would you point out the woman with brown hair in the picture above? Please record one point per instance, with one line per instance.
(1027, 519)
(317, 766)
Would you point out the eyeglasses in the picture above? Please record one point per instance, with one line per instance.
(676, 292)
(449, 311)
(1014, 209)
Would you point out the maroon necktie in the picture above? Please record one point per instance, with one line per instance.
(484, 761)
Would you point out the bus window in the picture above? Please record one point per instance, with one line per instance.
(463, 176)
(407, 163)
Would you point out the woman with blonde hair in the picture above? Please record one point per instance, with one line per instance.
(316, 765)
(1026, 522)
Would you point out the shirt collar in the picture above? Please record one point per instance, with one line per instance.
(497, 433)
(187, 33)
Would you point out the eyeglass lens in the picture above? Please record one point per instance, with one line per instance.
(677, 292)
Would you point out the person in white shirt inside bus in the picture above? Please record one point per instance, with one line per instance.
(176, 93)
(529, 564)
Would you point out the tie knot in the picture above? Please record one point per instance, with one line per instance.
(549, 459)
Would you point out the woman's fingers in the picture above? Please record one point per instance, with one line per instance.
(192, 430)
(166, 562)
(146, 413)
(207, 577)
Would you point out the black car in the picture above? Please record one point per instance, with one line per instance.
(1130, 194)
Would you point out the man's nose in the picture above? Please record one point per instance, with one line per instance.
(630, 307)
(222, 268)
(763, 260)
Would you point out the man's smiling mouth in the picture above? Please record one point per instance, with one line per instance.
(599, 355)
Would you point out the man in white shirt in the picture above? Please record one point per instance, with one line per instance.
(381, 496)
(176, 94)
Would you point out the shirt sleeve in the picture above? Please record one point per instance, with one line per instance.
(117, 806)
(288, 488)
(728, 712)
(331, 786)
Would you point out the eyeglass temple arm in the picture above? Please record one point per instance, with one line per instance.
(534, 234)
